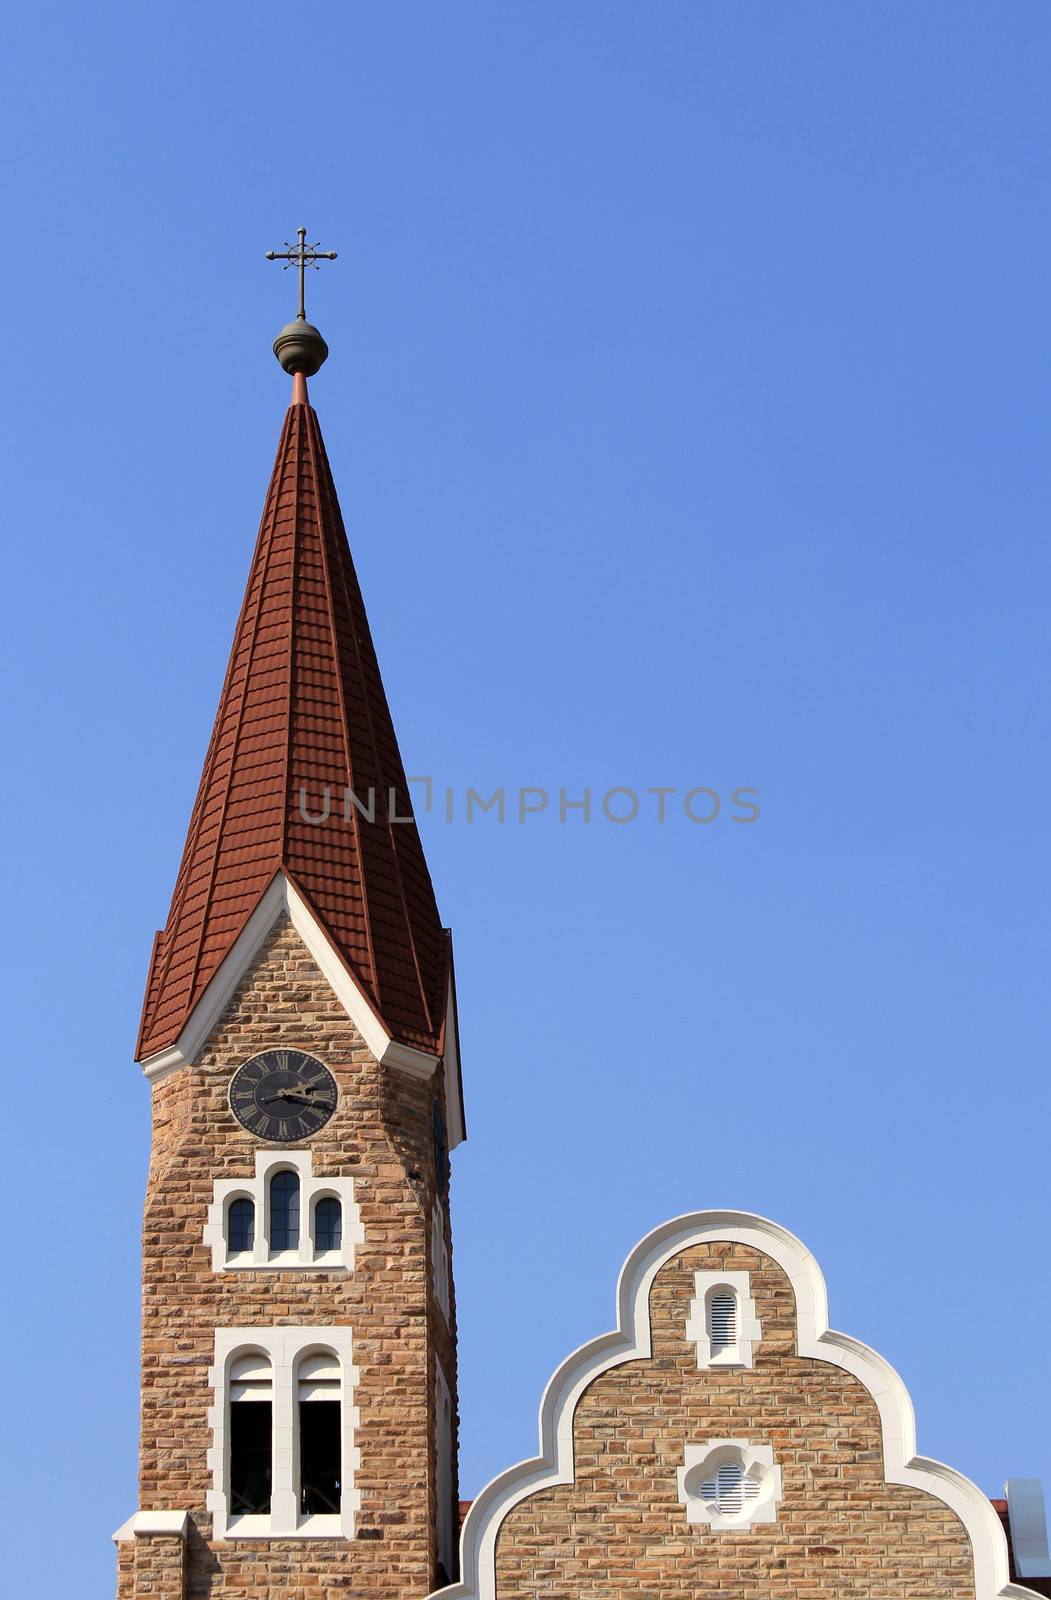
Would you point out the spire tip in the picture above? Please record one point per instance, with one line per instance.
(299, 346)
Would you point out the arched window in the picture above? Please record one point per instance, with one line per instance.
(722, 1321)
(240, 1226)
(251, 1435)
(284, 1211)
(328, 1224)
(320, 1434)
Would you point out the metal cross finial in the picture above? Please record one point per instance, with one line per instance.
(301, 255)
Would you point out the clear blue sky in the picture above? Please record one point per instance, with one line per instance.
(689, 409)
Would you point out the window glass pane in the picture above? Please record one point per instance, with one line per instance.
(241, 1230)
(284, 1211)
(319, 1474)
(250, 1455)
(328, 1224)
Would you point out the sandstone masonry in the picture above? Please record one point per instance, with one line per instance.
(382, 1136)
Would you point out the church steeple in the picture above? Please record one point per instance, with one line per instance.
(298, 1372)
(303, 777)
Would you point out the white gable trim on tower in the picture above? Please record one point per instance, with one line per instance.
(282, 897)
(631, 1341)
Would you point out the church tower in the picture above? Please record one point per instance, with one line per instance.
(298, 1421)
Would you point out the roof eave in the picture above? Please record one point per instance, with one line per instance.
(283, 895)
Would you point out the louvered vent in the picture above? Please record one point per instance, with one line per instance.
(722, 1321)
(729, 1490)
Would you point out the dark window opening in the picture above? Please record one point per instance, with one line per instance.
(250, 1457)
(441, 1148)
(242, 1225)
(284, 1211)
(319, 1453)
(328, 1225)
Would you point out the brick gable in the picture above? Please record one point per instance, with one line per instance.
(841, 1529)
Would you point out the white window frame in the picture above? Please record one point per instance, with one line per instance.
(708, 1283)
(285, 1348)
(257, 1189)
(440, 1259)
(757, 1463)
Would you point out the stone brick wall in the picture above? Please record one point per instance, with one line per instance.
(382, 1136)
(156, 1565)
(621, 1527)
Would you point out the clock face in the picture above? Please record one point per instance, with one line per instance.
(283, 1094)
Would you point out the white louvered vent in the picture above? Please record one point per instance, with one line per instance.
(728, 1490)
(722, 1321)
(729, 1483)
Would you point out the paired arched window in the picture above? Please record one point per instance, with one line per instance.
(251, 1434)
(284, 1211)
(328, 1224)
(241, 1226)
(281, 1455)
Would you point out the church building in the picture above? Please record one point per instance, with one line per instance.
(299, 1378)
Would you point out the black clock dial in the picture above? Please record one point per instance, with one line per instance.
(283, 1094)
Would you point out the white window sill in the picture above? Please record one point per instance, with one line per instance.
(257, 1527)
(285, 1261)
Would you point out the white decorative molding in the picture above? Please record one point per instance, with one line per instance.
(144, 1524)
(703, 1491)
(1028, 1519)
(305, 1257)
(631, 1341)
(708, 1283)
(284, 1348)
(282, 897)
(440, 1259)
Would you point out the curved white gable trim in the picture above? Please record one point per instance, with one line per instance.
(631, 1341)
(282, 896)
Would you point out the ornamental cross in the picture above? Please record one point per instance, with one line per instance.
(301, 255)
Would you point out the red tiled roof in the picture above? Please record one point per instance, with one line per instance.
(303, 704)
